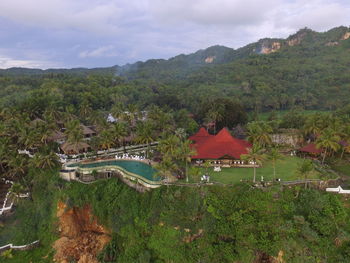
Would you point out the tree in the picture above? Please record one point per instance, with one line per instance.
(169, 146)
(119, 132)
(304, 169)
(74, 133)
(329, 141)
(144, 135)
(215, 115)
(259, 133)
(274, 155)
(45, 160)
(255, 155)
(185, 153)
(166, 167)
(106, 139)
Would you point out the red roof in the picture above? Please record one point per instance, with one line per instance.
(221, 145)
(310, 148)
(201, 136)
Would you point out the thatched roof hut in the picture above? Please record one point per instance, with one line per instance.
(72, 148)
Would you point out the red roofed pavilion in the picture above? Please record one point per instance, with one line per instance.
(201, 136)
(311, 148)
(222, 147)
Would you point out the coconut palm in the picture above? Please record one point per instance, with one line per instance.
(85, 110)
(215, 115)
(304, 169)
(119, 132)
(166, 167)
(255, 155)
(144, 135)
(74, 133)
(345, 136)
(328, 141)
(274, 155)
(106, 139)
(313, 125)
(169, 146)
(45, 160)
(17, 165)
(185, 152)
(259, 133)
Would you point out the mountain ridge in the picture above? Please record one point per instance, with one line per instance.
(212, 55)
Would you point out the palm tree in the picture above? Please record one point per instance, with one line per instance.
(345, 136)
(74, 133)
(166, 167)
(85, 110)
(274, 155)
(119, 132)
(215, 115)
(304, 169)
(259, 133)
(45, 160)
(329, 141)
(144, 135)
(185, 153)
(313, 125)
(17, 165)
(169, 146)
(106, 139)
(255, 155)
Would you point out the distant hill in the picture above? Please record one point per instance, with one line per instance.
(308, 69)
(182, 64)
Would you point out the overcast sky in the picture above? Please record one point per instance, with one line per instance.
(95, 33)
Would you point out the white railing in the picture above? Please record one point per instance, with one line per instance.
(338, 190)
(23, 247)
(5, 208)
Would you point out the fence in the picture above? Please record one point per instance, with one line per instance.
(338, 190)
(24, 247)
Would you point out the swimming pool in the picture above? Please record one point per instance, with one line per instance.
(134, 167)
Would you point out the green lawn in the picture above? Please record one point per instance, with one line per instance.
(285, 169)
(342, 167)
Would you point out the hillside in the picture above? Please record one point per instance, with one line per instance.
(308, 69)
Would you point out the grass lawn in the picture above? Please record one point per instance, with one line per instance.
(342, 167)
(285, 170)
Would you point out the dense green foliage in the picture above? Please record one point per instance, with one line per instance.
(225, 224)
(312, 73)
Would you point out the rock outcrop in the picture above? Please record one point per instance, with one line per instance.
(210, 59)
(345, 36)
(270, 48)
(81, 237)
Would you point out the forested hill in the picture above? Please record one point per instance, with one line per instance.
(307, 69)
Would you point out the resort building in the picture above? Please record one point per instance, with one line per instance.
(71, 148)
(221, 149)
(310, 150)
(87, 131)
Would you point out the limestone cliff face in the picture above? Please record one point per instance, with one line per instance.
(345, 36)
(81, 237)
(271, 48)
(297, 38)
(210, 59)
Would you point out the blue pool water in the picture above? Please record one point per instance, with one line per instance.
(134, 167)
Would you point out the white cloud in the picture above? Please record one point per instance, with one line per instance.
(209, 12)
(105, 51)
(80, 32)
(94, 16)
(316, 14)
(7, 62)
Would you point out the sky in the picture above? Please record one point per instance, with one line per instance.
(101, 33)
